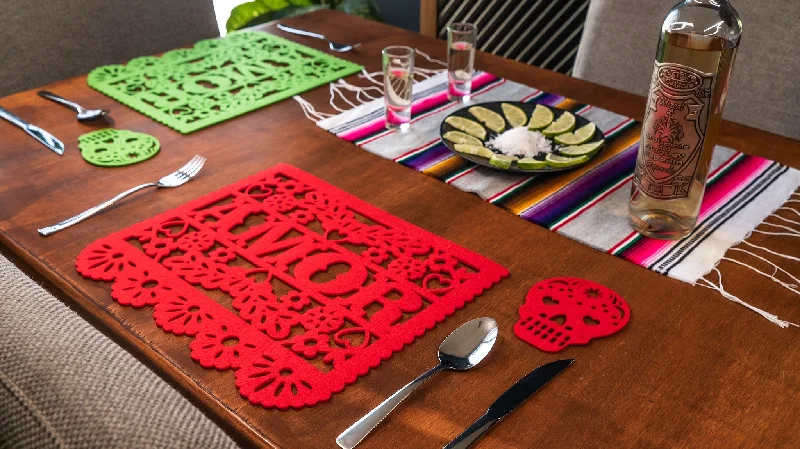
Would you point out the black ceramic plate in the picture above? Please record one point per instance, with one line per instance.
(528, 108)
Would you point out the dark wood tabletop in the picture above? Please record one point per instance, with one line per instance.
(691, 369)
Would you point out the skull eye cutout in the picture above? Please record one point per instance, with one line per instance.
(561, 312)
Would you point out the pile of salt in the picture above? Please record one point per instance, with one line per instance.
(520, 141)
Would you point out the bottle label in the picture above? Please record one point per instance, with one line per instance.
(673, 130)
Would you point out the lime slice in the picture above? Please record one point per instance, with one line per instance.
(564, 124)
(501, 160)
(514, 115)
(557, 161)
(491, 119)
(587, 149)
(459, 137)
(477, 150)
(530, 163)
(466, 125)
(541, 118)
(581, 135)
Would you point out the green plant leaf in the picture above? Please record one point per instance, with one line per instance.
(362, 8)
(261, 11)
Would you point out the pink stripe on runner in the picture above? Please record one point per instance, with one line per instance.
(364, 130)
(423, 104)
(465, 172)
(443, 99)
(415, 149)
(444, 94)
(715, 197)
(724, 165)
(528, 97)
(504, 191)
(591, 204)
(621, 242)
(617, 187)
(629, 236)
(624, 122)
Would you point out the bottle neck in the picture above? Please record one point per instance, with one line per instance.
(711, 3)
(705, 17)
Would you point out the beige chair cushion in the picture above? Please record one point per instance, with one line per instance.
(46, 41)
(619, 44)
(63, 384)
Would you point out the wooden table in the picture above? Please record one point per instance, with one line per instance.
(691, 369)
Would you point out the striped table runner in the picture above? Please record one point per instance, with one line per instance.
(589, 204)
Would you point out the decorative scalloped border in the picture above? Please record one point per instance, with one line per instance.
(488, 274)
(186, 128)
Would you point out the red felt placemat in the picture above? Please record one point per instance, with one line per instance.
(296, 285)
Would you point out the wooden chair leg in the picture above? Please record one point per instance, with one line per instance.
(428, 17)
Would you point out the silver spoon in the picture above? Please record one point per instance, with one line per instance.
(460, 351)
(84, 115)
(341, 48)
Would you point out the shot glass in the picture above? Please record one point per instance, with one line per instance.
(398, 80)
(460, 60)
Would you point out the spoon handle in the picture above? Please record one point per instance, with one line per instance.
(60, 100)
(301, 32)
(355, 433)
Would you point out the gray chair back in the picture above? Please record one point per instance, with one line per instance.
(619, 44)
(46, 41)
(544, 33)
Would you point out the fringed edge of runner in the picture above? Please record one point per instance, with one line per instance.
(791, 229)
(362, 93)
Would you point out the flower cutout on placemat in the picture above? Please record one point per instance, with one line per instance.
(221, 347)
(182, 316)
(140, 288)
(295, 284)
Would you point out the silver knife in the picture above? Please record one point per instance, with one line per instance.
(508, 401)
(37, 133)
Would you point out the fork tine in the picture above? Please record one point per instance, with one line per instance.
(185, 173)
(191, 162)
(190, 166)
(198, 166)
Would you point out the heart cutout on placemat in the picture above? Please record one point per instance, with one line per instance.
(561, 312)
(297, 286)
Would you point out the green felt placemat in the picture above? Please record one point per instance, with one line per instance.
(117, 147)
(190, 88)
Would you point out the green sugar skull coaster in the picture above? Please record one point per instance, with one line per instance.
(117, 147)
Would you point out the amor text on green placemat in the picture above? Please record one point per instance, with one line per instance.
(192, 88)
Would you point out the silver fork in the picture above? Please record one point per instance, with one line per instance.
(174, 179)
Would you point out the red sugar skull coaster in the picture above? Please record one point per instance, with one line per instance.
(560, 312)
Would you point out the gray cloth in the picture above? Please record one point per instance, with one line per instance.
(619, 45)
(45, 41)
(63, 384)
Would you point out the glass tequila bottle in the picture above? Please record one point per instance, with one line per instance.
(695, 55)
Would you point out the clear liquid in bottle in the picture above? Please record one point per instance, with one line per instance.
(684, 110)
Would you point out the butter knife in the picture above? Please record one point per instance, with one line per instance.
(508, 401)
(44, 137)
